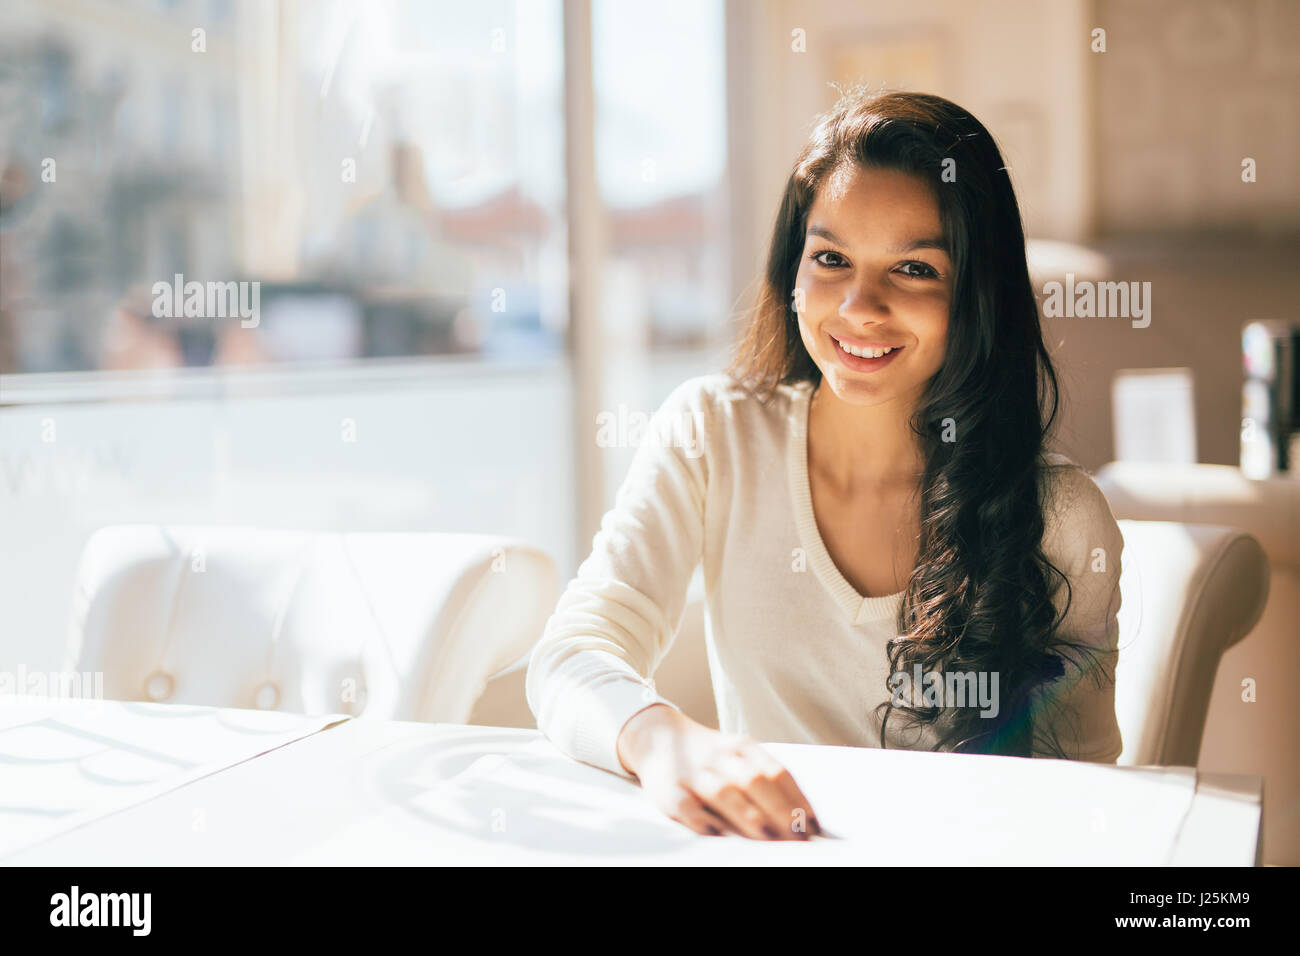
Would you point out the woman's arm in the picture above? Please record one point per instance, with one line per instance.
(586, 681)
(1083, 540)
(588, 674)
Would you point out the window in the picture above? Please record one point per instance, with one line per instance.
(306, 265)
(376, 179)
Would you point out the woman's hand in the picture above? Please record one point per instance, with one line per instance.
(710, 781)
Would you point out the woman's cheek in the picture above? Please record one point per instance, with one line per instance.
(808, 333)
(805, 302)
(812, 298)
(937, 344)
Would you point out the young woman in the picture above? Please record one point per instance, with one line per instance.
(869, 492)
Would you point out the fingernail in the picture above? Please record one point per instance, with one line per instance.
(713, 831)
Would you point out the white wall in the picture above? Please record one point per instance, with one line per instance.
(1020, 66)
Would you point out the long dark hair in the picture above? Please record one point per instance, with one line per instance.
(980, 597)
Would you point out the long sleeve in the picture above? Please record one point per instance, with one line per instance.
(589, 673)
(1084, 541)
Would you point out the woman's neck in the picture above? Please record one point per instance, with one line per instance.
(862, 447)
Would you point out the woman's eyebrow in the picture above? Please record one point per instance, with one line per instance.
(932, 242)
(929, 242)
(826, 234)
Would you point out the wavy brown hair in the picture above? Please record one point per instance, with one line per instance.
(980, 596)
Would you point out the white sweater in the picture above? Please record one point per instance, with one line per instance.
(795, 653)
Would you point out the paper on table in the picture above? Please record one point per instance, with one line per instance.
(64, 762)
(912, 807)
(884, 807)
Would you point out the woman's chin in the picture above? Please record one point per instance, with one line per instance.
(856, 389)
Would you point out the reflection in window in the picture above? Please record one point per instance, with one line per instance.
(661, 153)
(392, 180)
(660, 131)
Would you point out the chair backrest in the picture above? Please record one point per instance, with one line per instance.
(399, 626)
(1189, 592)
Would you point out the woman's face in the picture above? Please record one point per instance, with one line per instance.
(874, 273)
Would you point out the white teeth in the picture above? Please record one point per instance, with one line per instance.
(864, 353)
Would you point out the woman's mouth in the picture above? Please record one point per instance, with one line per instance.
(867, 357)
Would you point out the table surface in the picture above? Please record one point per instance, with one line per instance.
(372, 792)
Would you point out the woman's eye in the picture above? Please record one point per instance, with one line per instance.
(817, 258)
(924, 271)
(913, 270)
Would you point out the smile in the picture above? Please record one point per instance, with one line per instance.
(866, 357)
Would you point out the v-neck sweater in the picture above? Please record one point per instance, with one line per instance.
(796, 654)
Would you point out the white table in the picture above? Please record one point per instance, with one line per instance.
(363, 792)
(64, 763)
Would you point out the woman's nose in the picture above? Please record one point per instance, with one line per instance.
(865, 299)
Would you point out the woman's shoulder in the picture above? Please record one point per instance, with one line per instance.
(1077, 517)
(720, 395)
(1066, 482)
(727, 423)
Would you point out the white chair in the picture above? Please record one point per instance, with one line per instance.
(1244, 734)
(1189, 592)
(401, 626)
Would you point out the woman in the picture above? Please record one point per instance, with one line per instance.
(870, 495)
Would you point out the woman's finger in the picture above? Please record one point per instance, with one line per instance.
(726, 798)
(796, 800)
(778, 807)
(690, 812)
(790, 798)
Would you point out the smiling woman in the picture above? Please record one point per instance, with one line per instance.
(868, 431)
(873, 285)
(899, 226)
